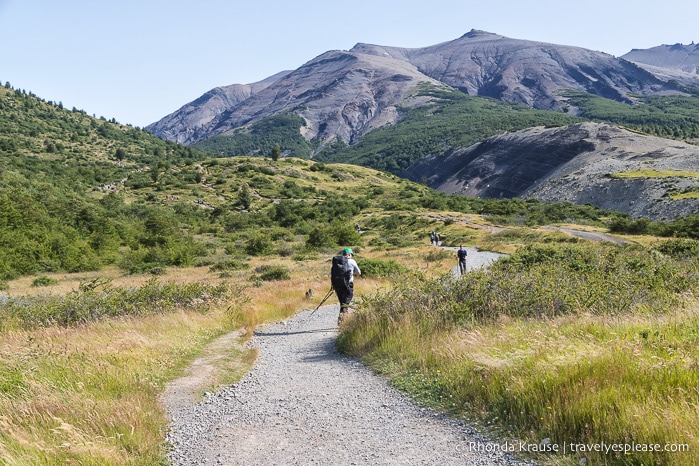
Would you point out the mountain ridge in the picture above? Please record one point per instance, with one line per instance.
(345, 94)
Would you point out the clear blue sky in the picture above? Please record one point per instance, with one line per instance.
(138, 61)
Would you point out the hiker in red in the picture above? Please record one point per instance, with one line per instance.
(342, 278)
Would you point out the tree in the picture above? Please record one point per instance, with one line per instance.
(276, 152)
(120, 154)
(244, 199)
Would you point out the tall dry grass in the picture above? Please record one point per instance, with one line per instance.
(88, 394)
(524, 352)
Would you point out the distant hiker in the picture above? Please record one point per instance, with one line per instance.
(358, 228)
(461, 255)
(432, 238)
(342, 279)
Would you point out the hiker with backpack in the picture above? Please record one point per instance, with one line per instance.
(342, 279)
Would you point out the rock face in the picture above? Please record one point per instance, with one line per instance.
(346, 94)
(676, 57)
(574, 164)
(679, 62)
(338, 94)
(527, 72)
(184, 125)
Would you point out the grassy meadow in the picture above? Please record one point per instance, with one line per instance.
(87, 391)
(568, 341)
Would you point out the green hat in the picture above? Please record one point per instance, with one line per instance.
(347, 251)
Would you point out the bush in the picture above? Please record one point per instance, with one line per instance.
(43, 280)
(437, 255)
(270, 273)
(679, 248)
(320, 236)
(345, 234)
(259, 245)
(229, 264)
(99, 300)
(380, 268)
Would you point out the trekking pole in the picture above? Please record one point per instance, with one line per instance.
(321, 303)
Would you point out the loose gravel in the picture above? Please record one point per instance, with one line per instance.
(304, 403)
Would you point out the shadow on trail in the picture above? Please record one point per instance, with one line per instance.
(297, 332)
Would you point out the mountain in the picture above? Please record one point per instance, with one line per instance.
(346, 94)
(679, 62)
(677, 57)
(181, 125)
(339, 93)
(585, 163)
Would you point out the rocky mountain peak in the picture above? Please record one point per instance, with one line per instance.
(345, 94)
(476, 33)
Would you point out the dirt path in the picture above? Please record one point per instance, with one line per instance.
(590, 235)
(303, 403)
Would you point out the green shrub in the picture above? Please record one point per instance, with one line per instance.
(270, 273)
(438, 254)
(43, 280)
(345, 234)
(679, 248)
(229, 264)
(92, 303)
(380, 268)
(321, 236)
(259, 245)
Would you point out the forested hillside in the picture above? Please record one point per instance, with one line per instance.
(79, 193)
(66, 190)
(457, 121)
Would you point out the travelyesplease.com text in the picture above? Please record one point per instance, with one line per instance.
(570, 447)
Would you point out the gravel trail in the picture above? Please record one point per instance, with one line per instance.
(303, 403)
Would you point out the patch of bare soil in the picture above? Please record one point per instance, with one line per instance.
(201, 374)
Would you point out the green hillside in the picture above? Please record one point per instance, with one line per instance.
(283, 130)
(79, 193)
(67, 188)
(458, 120)
(673, 117)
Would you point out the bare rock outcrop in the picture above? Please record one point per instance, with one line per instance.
(575, 163)
(677, 62)
(188, 123)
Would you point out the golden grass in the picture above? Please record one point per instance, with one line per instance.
(90, 394)
(584, 378)
(91, 391)
(656, 174)
(70, 282)
(677, 196)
